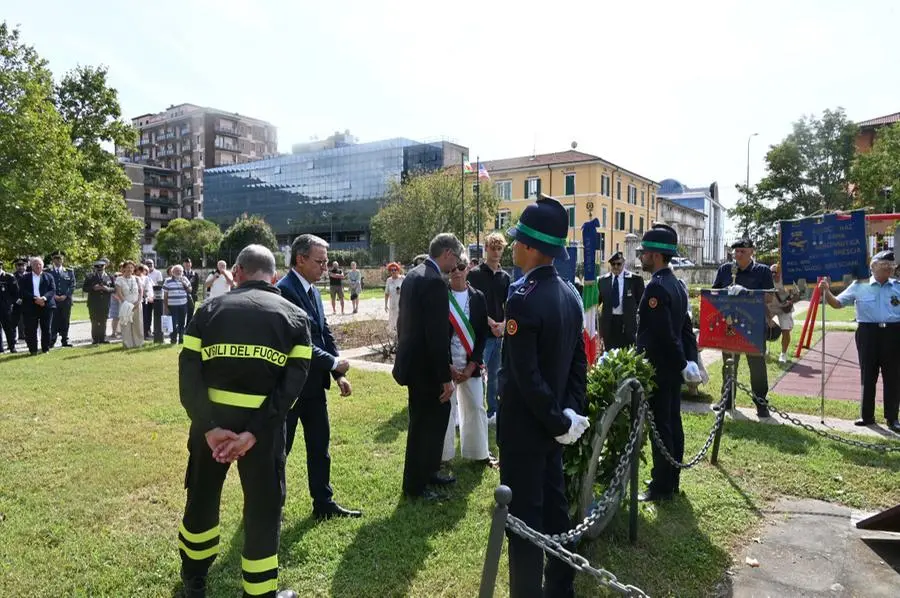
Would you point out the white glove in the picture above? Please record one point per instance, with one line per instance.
(735, 289)
(578, 424)
(704, 375)
(691, 372)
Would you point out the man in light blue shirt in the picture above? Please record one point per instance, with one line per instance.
(877, 302)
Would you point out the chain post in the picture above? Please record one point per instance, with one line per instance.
(637, 392)
(503, 496)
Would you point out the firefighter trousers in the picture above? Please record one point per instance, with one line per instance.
(262, 479)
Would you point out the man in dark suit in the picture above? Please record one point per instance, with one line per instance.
(423, 364)
(37, 291)
(620, 294)
(542, 389)
(309, 258)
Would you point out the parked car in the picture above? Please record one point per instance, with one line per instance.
(681, 262)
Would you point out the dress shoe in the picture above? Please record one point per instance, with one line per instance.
(194, 587)
(440, 479)
(895, 426)
(762, 412)
(66, 344)
(427, 495)
(864, 422)
(654, 496)
(287, 594)
(491, 461)
(334, 510)
(13, 350)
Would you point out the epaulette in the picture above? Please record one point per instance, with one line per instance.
(607, 275)
(526, 288)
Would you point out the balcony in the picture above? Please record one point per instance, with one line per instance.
(165, 136)
(228, 148)
(233, 132)
(186, 148)
(166, 152)
(144, 142)
(184, 132)
(161, 200)
(163, 183)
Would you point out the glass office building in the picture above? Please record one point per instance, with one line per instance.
(332, 193)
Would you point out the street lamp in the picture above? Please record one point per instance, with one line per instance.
(747, 192)
(329, 215)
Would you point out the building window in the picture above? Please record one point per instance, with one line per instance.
(603, 219)
(632, 195)
(619, 190)
(641, 222)
(502, 220)
(571, 212)
(652, 202)
(503, 190)
(570, 184)
(164, 211)
(604, 185)
(532, 188)
(631, 223)
(642, 198)
(620, 221)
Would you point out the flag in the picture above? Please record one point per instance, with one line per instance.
(467, 167)
(483, 173)
(591, 292)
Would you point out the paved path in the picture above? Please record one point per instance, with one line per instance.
(812, 549)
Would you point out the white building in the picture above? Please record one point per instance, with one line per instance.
(705, 200)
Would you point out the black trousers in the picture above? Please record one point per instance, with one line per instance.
(428, 419)
(18, 327)
(34, 318)
(61, 319)
(666, 405)
(759, 377)
(7, 328)
(190, 311)
(262, 479)
(879, 351)
(148, 318)
(98, 311)
(538, 499)
(615, 337)
(312, 412)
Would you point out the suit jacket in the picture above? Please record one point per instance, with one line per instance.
(324, 351)
(47, 289)
(478, 318)
(423, 355)
(631, 298)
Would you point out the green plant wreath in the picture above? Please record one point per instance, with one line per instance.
(603, 380)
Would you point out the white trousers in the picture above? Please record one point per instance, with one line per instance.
(467, 408)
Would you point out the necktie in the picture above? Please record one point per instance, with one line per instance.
(615, 298)
(312, 299)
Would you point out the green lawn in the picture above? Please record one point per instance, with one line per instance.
(92, 475)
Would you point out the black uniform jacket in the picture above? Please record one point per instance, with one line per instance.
(246, 355)
(544, 366)
(665, 334)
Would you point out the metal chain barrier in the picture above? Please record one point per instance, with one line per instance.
(761, 402)
(611, 494)
(552, 547)
(720, 420)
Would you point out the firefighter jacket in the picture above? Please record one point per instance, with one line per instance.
(245, 359)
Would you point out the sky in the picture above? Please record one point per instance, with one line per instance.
(665, 89)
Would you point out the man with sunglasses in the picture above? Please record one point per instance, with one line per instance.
(620, 294)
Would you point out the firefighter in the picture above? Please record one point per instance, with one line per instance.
(245, 359)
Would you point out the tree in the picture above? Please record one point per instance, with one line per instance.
(876, 173)
(246, 230)
(45, 201)
(193, 239)
(425, 205)
(807, 173)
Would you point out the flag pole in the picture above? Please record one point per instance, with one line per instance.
(478, 206)
(462, 195)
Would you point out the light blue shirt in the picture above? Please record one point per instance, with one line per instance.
(875, 303)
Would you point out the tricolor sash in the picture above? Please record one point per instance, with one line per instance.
(462, 326)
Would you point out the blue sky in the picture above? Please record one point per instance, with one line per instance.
(666, 89)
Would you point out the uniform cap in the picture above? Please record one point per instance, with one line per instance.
(57, 254)
(744, 243)
(21, 260)
(616, 256)
(101, 262)
(544, 225)
(662, 238)
(886, 255)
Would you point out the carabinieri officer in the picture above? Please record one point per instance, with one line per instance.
(877, 301)
(542, 387)
(65, 285)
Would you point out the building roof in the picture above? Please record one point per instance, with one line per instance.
(880, 121)
(541, 160)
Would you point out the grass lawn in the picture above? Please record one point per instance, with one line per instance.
(92, 494)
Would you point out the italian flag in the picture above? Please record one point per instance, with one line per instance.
(462, 326)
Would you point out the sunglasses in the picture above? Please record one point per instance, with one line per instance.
(616, 264)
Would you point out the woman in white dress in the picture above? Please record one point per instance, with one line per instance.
(392, 296)
(129, 292)
(469, 332)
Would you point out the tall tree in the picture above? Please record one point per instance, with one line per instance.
(246, 230)
(807, 173)
(193, 239)
(876, 173)
(424, 205)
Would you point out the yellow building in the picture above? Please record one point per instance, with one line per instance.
(589, 187)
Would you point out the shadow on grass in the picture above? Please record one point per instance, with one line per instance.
(867, 457)
(785, 438)
(740, 491)
(388, 553)
(387, 432)
(145, 348)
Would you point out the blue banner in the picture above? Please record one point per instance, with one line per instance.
(829, 245)
(566, 268)
(589, 238)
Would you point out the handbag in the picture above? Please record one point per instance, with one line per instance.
(166, 322)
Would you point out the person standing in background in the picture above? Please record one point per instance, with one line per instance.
(620, 294)
(392, 296)
(355, 277)
(336, 286)
(37, 292)
(219, 282)
(156, 279)
(194, 280)
(9, 294)
(129, 290)
(177, 294)
(99, 288)
(65, 285)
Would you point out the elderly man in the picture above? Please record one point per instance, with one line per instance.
(38, 294)
(156, 278)
(220, 281)
(877, 301)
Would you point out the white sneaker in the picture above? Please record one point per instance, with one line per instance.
(782, 358)
(492, 420)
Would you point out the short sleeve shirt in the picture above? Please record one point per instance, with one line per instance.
(875, 303)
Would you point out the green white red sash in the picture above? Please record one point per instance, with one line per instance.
(462, 326)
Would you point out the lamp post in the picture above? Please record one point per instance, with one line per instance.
(747, 193)
(330, 216)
